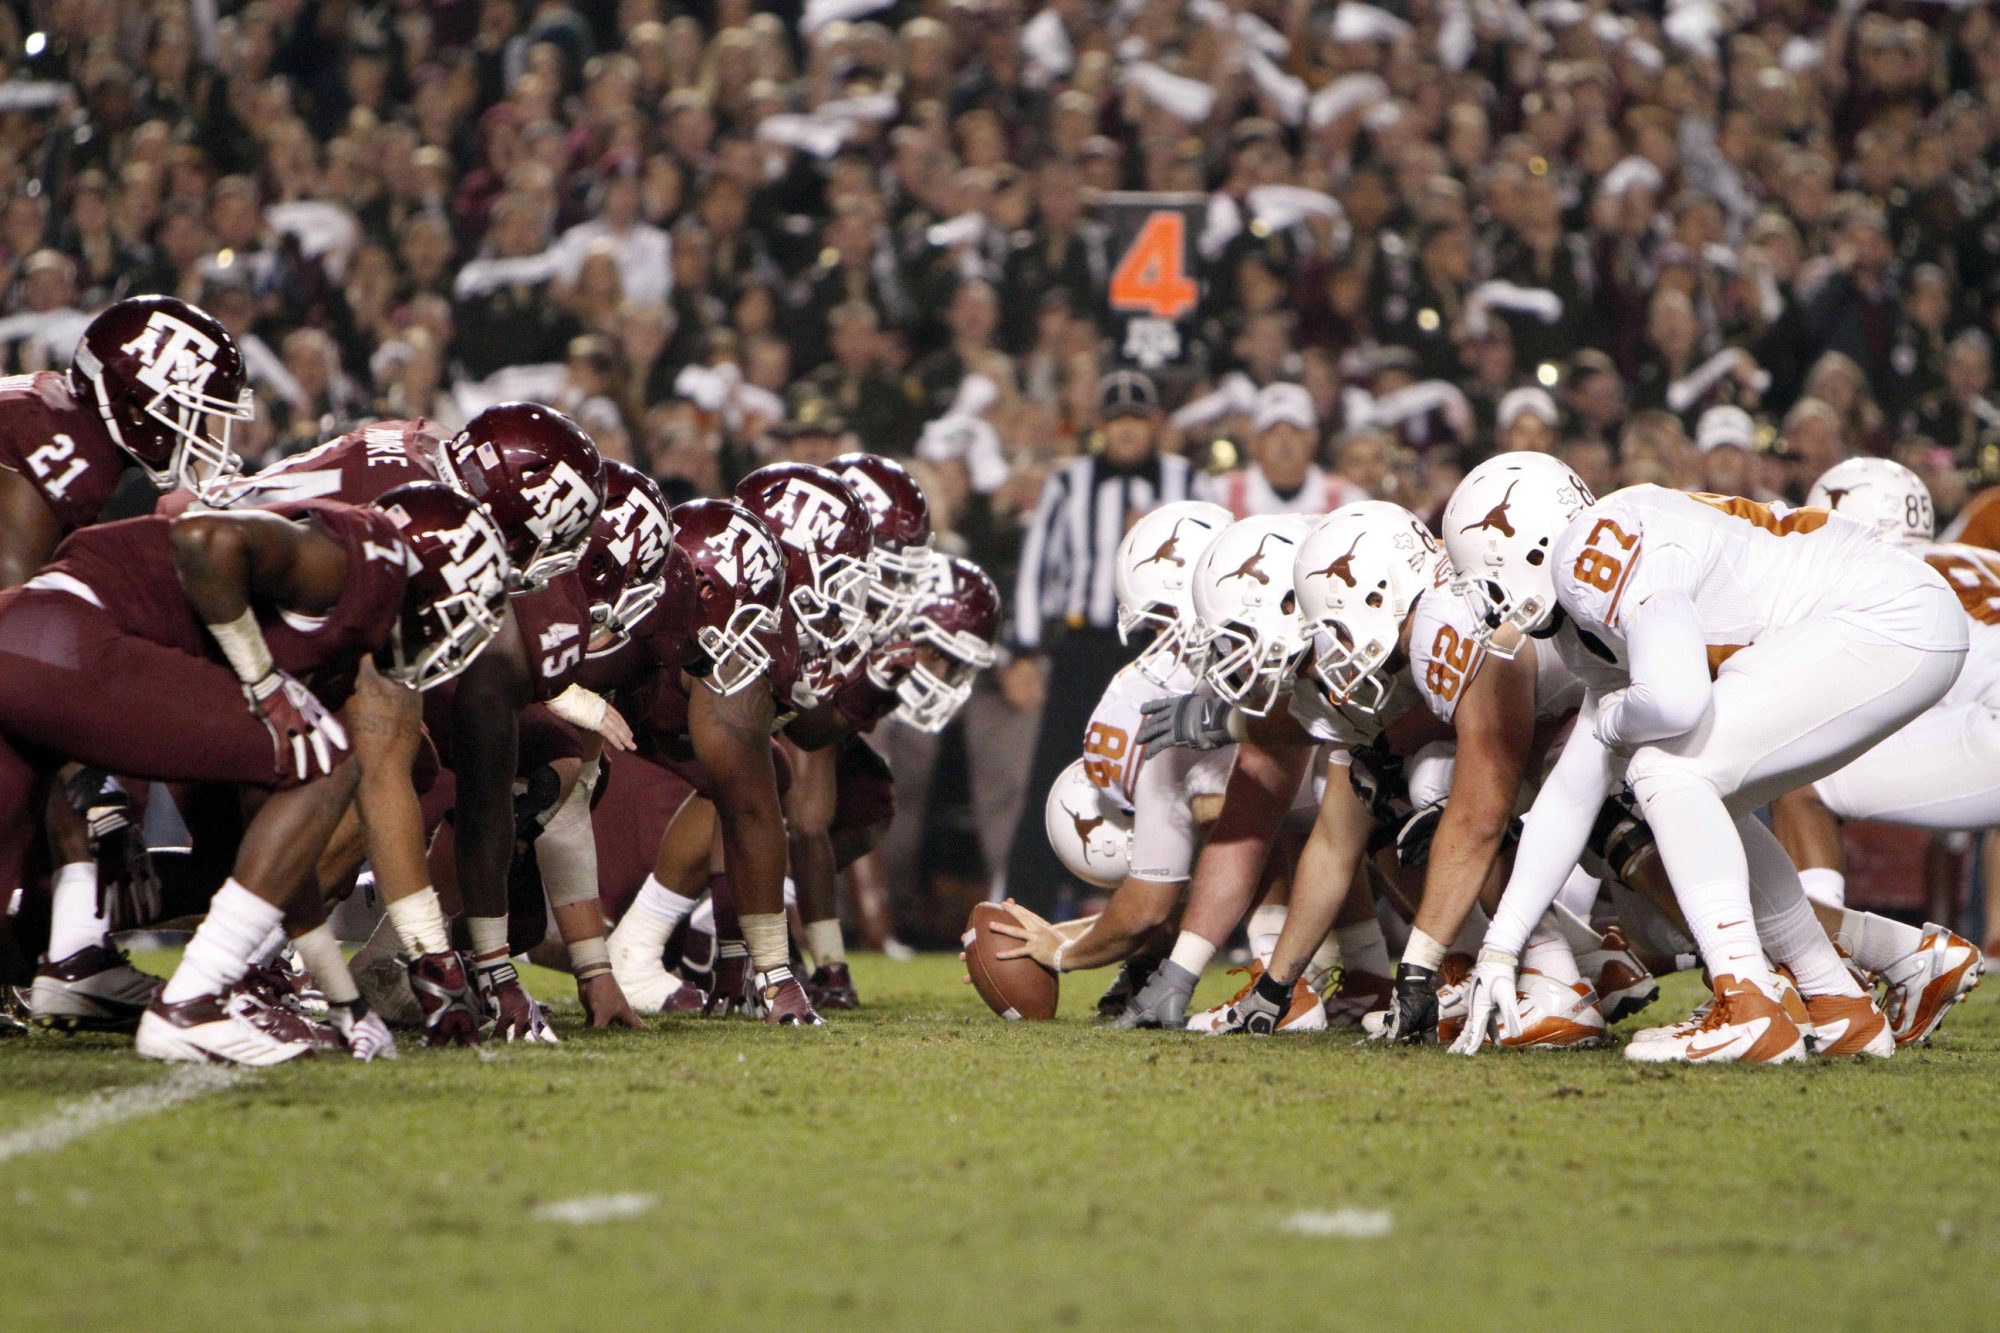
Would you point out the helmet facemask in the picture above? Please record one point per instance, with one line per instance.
(1350, 672)
(735, 656)
(433, 643)
(1248, 672)
(930, 699)
(1496, 611)
(832, 609)
(1165, 653)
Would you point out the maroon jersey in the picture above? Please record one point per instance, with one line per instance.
(60, 445)
(356, 469)
(555, 626)
(129, 569)
(862, 703)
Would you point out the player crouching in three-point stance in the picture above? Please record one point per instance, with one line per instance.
(1692, 621)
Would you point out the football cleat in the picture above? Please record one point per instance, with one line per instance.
(1554, 1015)
(1354, 995)
(510, 1011)
(1246, 1011)
(1744, 1024)
(1849, 1025)
(731, 992)
(1622, 983)
(1922, 988)
(832, 988)
(783, 1000)
(452, 1013)
(1131, 979)
(95, 989)
(1453, 993)
(214, 1029)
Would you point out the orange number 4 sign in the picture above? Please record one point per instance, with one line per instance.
(1152, 277)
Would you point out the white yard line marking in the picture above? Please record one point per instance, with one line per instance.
(1347, 1224)
(592, 1208)
(112, 1106)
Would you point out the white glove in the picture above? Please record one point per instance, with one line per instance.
(367, 1036)
(1491, 1000)
(298, 722)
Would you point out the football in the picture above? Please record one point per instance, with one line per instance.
(1016, 988)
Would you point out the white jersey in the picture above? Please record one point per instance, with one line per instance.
(1446, 654)
(1110, 743)
(1973, 573)
(1159, 792)
(1749, 569)
(1341, 728)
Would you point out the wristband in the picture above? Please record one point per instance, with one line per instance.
(590, 958)
(242, 642)
(580, 707)
(1056, 963)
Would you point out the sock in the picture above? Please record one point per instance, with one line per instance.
(1702, 851)
(653, 916)
(320, 952)
(1875, 941)
(1792, 935)
(824, 940)
(766, 936)
(1324, 960)
(219, 954)
(1362, 948)
(74, 924)
(1472, 933)
(1579, 893)
(1826, 887)
(1423, 951)
(1267, 923)
(489, 939)
(722, 902)
(1273, 992)
(1548, 953)
(1191, 953)
(273, 944)
(419, 923)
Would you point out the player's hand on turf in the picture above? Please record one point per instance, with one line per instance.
(366, 1035)
(1490, 1004)
(515, 1015)
(301, 728)
(1198, 721)
(604, 1003)
(1413, 1007)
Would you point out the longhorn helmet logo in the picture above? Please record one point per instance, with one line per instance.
(1169, 551)
(1496, 519)
(1342, 566)
(1253, 567)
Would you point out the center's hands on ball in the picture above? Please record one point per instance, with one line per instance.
(299, 723)
(1490, 1003)
(1040, 939)
(1197, 721)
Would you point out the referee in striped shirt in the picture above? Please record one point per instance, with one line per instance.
(1065, 634)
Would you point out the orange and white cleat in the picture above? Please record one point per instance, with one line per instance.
(1922, 988)
(1555, 1016)
(1622, 983)
(1745, 1024)
(1849, 1025)
(1305, 1013)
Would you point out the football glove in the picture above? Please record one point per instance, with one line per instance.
(1490, 1002)
(1198, 721)
(301, 728)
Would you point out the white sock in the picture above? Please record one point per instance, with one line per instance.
(1579, 893)
(320, 952)
(1267, 923)
(1362, 948)
(272, 945)
(1472, 933)
(1826, 887)
(419, 923)
(219, 954)
(653, 916)
(1324, 960)
(766, 936)
(1792, 935)
(489, 938)
(1875, 941)
(1423, 951)
(824, 941)
(1192, 952)
(1705, 861)
(1548, 953)
(73, 920)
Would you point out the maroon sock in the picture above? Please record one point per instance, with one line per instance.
(728, 926)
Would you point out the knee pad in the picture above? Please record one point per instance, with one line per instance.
(1652, 773)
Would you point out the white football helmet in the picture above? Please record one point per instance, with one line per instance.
(1246, 614)
(1091, 836)
(1499, 527)
(1155, 579)
(1882, 493)
(1358, 574)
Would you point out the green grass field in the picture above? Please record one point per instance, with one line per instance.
(922, 1165)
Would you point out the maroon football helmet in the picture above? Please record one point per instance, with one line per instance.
(457, 592)
(948, 641)
(157, 369)
(902, 518)
(739, 578)
(541, 478)
(827, 537)
(624, 562)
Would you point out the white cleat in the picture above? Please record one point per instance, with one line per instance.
(210, 1029)
(1622, 983)
(1304, 1014)
(1922, 988)
(1744, 1025)
(1555, 1016)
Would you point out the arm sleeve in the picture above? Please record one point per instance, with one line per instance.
(1670, 691)
(1557, 827)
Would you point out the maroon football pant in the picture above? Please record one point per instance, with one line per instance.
(75, 686)
(640, 798)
